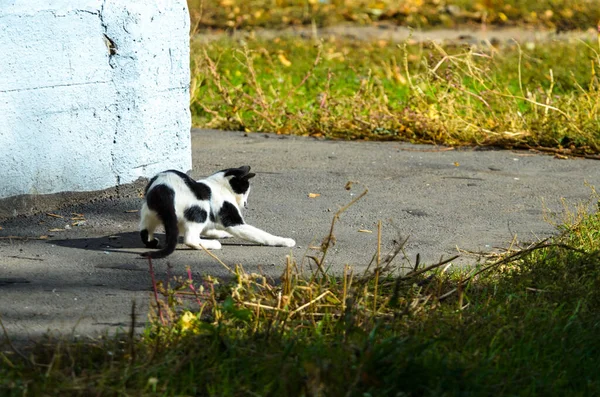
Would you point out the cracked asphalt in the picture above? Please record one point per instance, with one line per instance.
(78, 272)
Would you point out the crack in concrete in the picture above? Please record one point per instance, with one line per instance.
(147, 164)
(87, 11)
(56, 86)
(101, 16)
(110, 43)
(112, 52)
(178, 88)
(55, 13)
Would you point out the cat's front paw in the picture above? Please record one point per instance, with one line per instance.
(211, 244)
(288, 242)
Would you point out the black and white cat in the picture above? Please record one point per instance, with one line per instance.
(209, 207)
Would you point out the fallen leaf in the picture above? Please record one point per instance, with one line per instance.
(56, 230)
(313, 195)
(54, 215)
(77, 215)
(365, 231)
(131, 211)
(456, 163)
(284, 61)
(0, 227)
(348, 185)
(43, 237)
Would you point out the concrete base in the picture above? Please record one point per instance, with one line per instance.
(30, 204)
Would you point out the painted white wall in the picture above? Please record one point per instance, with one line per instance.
(93, 93)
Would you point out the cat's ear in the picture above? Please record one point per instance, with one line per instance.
(239, 172)
(249, 175)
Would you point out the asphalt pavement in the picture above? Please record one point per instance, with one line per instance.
(77, 271)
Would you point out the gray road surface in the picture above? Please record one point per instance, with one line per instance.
(83, 280)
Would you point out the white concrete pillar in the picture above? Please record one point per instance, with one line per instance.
(93, 93)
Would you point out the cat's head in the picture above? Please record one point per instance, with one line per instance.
(239, 182)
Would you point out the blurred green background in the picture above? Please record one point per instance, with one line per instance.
(554, 14)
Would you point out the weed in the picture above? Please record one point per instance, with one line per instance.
(418, 93)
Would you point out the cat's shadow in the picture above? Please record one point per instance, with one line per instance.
(127, 242)
(119, 242)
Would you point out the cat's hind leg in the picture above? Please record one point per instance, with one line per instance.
(195, 222)
(192, 238)
(149, 221)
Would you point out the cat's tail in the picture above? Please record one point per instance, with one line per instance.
(164, 206)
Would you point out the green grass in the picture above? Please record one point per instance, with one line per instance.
(525, 323)
(542, 95)
(247, 14)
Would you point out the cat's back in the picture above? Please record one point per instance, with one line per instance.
(176, 180)
(184, 187)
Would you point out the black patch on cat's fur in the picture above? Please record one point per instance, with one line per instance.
(213, 218)
(159, 197)
(230, 216)
(195, 214)
(148, 244)
(239, 185)
(200, 190)
(150, 184)
(240, 181)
